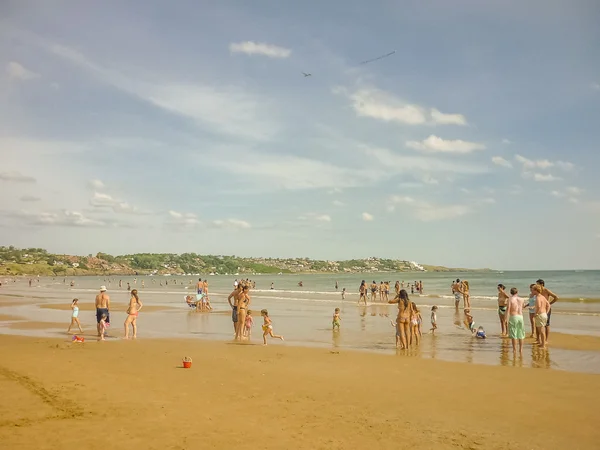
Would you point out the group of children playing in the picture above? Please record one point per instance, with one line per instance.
(415, 324)
(267, 326)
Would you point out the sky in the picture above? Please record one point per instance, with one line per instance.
(148, 127)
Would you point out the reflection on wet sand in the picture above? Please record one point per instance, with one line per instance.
(540, 358)
(335, 339)
(504, 348)
(456, 318)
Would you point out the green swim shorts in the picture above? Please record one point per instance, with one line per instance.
(516, 327)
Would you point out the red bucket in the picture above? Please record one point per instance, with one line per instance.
(187, 364)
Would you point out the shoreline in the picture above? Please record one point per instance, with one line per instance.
(288, 397)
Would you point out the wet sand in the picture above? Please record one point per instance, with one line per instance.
(134, 394)
(573, 341)
(113, 306)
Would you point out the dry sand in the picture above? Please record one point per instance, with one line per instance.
(134, 395)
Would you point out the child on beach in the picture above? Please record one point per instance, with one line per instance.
(103, 325)
(343, 293)
(395, 325)
(75, 315)
(268, 327)
(480, 334)
(414, 323)
(336, 319)
(469, 322)
(248, 323)
(433, 319)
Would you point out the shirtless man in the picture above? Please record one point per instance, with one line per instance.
(362, 290)
(552, 298)
(199, 286)
(102, 307)
(502, 306)
(456, 290)
(542, 308)
(516, 326)
(233, 301)
(397, 288)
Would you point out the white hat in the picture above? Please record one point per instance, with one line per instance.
(102, 288)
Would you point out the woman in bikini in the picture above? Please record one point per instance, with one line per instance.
(502, 306)
(135, 305)
(242, 307)
(403, 319)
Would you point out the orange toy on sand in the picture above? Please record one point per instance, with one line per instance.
(187, 362)
(78, 339)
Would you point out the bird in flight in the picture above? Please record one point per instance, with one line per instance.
(306, 74)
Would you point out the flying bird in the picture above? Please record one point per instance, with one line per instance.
(378, 58)
(306, 74)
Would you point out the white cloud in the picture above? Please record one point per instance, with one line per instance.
(565, 165)
(499, 161)
(573, 200)
(334, 191)
(29, 198)
(574, 190)
(543, 177)
(383, 106)
(100, 200)
(96, 184)
(487, 201)
(557, 194)
(16, 71)
(437, 144)
(62, 218)
(399, 163)
(447, 119)
(257, 48)
(338, 203)
(543, 163)
(315, 217)
(429, 212)
(232, 224)
(367, 217)
(465, 191)
(182, 220)
(16, 177)
(390, 208)
(506, 141)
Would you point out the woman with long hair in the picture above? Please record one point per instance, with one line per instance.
(135, 305)
(404, 314)
(242, 309)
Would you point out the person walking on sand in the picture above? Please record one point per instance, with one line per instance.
(433, 319)
(268, 327)
(516, 326)
(102, 307)
(337, 320)
(403, 319)
(343, 293)
(75, 315)
(502, 306)
(542, 307)
(135, 305)
(552, 298)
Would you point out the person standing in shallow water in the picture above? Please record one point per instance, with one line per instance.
(516, 326)
(135, 305)
(552, 298)
(102, 307)
(502, 306)
(403, 319)
(242, 309)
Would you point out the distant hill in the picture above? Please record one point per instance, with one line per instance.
(37, 261)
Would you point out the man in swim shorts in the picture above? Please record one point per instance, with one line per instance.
(102, 307)
(456, 290)
(542, 307)
(552, 298)
(233, 301)
(516, 326)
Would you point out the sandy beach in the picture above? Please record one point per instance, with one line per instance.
(134, 394)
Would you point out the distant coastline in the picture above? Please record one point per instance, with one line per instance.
(37, 261)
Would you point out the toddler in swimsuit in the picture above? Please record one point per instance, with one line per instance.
(433, 319)
(248, 324)
(103, 326)
(268, 327)
(469, 322)
(336, 320)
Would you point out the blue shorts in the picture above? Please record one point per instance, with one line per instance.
(100, 312)
(234, 314)
(549, 314)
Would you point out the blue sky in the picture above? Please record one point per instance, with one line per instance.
(130, 127)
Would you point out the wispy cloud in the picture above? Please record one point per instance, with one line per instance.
(595, 86)
(30, 198)
(338, 203)
(500, 161)
(506, 141)
(63, 218)
(16, 177)
(16, 71)
(367, 217)
(437, 144)
(543, 177)
(315, 217)
(234, 224)
(543, 163)
(430, 212)
(96, 184)
(574, 190)
(258, 48)
(100, 200)
(447, 119)
(182, 220)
